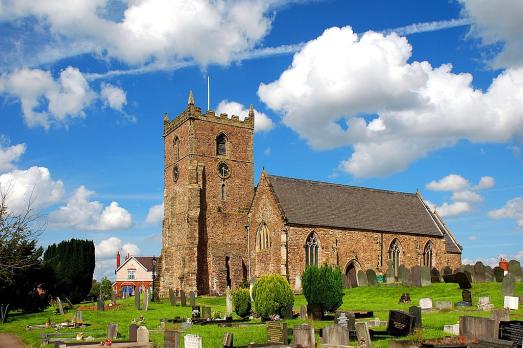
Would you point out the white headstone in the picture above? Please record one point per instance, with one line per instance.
(484, 303)
(192, 341)
(511, 302)
(451, 329)
(228, 301)
(142, 335)
(425, 303)
(297, 284)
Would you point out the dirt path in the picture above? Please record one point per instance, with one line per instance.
(11, 341)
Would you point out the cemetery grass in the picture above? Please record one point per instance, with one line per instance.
(379, 299)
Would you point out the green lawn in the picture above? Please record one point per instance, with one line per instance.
(378, 299)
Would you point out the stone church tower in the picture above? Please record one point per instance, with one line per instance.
(208, 189)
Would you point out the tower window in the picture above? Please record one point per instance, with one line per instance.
(222, 191)
(221, 144)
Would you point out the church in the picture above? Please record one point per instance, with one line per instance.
(220, 230)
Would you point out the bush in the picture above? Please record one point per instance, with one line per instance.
(323, 286)
(241, 299)
(272, 295)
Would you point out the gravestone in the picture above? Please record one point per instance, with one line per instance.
(479, 272)
(476, 327)
(112, 331)
(415, 311)
(443, 305)
(401, 274)
(363, 335)
(425, 276)
(346, 319)
(489, 274)
(113, 297)
(78, 317)
(303, 312)
(100, 305)
(142, 335)
(297, 284)
(192, 341)
(390, 277)
(400, 323)
(335, 335)
(460, 278)
(172, 297)
(405, 298)
(484, 303)
(228, 340)
(371, 277)
(195, 312)
(498, 316)
(137, 299)
(60, 306)
(146, 300)
(171, 339)
(192, 298)
(425, 303)
(435, 276)
(206, 312)
(228, 301)
(511, 302)
(499, 274)
(469, 270)
(304, 336)
(466, 299)
(508, 285)
(416, 276)
(277, 333)
(469, 276)
(512, 331)
(446, 270)
(362, 278)
(183, 299)
(133, 334)
(514, 268)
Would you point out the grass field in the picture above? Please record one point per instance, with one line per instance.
(379, 299)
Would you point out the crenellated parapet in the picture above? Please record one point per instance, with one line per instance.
(195, 112)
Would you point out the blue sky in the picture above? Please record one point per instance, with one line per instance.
(403, 95)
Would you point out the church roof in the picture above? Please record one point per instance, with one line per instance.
(314, 203)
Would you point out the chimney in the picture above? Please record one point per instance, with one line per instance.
(118, 259)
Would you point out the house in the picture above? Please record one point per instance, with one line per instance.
(135, 273)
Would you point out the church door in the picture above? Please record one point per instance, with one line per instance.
(352, 278)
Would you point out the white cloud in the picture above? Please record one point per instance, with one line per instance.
(337, 78)
(33, 186)
(10, 154)
(105, 252)
(113, 96)
(452, 182)
(454, 209)
(262, 123)
(513, 209)
(85, 215)
(45, 100)
(155, 214)
(472, 237)
(498, 23)
(485, 182)
(467, 196)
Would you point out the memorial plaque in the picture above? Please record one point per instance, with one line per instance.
(511, 302)
(171, 339)
(172, 297)
(362, 278)
(400, 323)
(415, 311)
(195, 312)
(277, 333)
(443, 305)
(192, 341)
(425, 303)
(512, 331)
(133, 328)
(371, 277)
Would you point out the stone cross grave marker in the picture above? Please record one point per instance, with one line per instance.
(435, 276)
(192, 299)
(183, 299)
(511, 302)
(228, 340)
(171, 339)
(133, 332)
(172, 297)
(142, 335)
(137, 299)
(514, 268)
(512, 331)
(425, 303)
(335, 335)
(112, 331)
(277, 333)
(362, 278)
(192, 341)
(425, 276)
(371, 277)
(363, 335)
(303, 312)
(206, 312)
(304, 336)
(499, 315)
(400, 323)
(415, 311)
(476, 327)
(416, 276)
(443, 305)
(346, 319)
(60, 306)
(228, 301)
(508, 285)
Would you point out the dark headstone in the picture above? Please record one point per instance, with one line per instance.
(415, 311)
(137, 299)
(466, 299)
(400, 323)
(405, 275)
(171, 339)
(508, 285)
(183, 299)
(206, 312)
(277, 333)
(315, 311)
(100, 305)
(416, 276)
(335, 335)
(195, 312)
(362, 278)
(287, 312)
(425, 276)
(371, 277)
(476, 327)
(499, 274)
(390, 277)
(192, 298)
(304, 336)
(489, 274)
(469, 275)
(172, 297)
(405, 298)
(469, 270)
(446, 270)
(228, 340)
(511, 331)
(514, 268)
(460, 278)
(435, 276)
(133, 328)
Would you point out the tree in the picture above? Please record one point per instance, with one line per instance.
(107, 289)
(73, 262)
(23, 278)
(323, 286)
(272, 295)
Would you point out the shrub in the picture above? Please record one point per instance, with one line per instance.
(241, 300)
(323, 286)
(272, 295)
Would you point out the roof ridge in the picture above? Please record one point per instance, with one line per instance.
(341, 185)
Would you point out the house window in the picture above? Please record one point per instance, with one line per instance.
(221, 142)
(394, 255)
(131, 274)
(427, 255)
(263, 240)
(176, 148)
(312, 248)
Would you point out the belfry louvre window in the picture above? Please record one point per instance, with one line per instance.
(312, 248)
(221, 144)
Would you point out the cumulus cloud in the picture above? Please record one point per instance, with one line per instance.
(105, 252)
(454, 209)
(513, 209)
(467, 196)
(485, 182)
(45, 100)
(9, 155)
(262, 122)
(113, 96)
(81, 214)
(452, 182)
(155, 214)
(32, 187)
(344, 90)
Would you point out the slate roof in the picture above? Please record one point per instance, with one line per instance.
(146, 261)
(314, 203)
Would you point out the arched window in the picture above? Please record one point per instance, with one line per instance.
(427, 255)
(394, 255)
(221, 144)
(263, 240)
(176, 148)
(312, 248)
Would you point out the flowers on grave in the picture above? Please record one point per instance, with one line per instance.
(108, 342)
